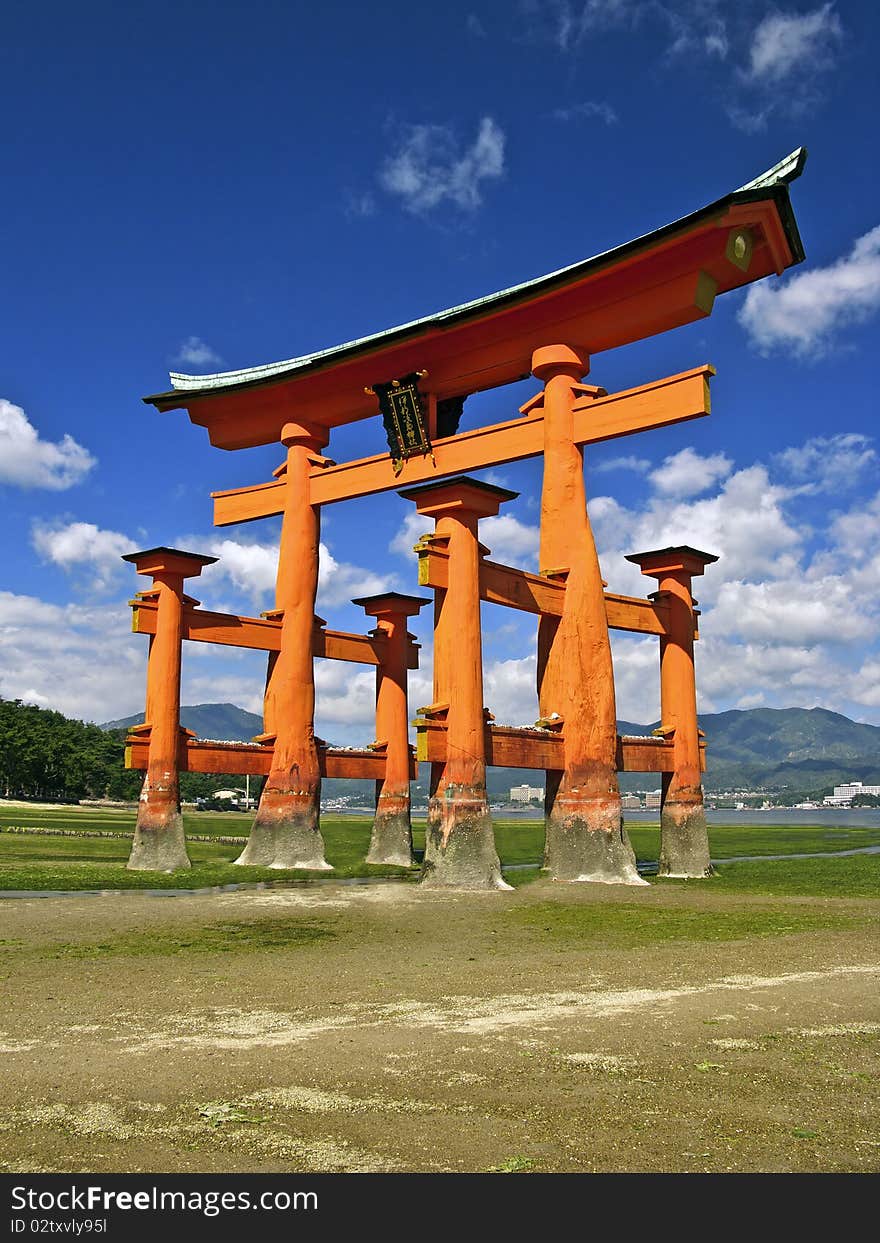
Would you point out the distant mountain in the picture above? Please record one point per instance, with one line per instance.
(799, 748)
(224, 722)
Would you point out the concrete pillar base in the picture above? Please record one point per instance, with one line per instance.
(286, 834)
(460, 845)
(684, 842)
(589, 845)
(159, 844)
(391, 839)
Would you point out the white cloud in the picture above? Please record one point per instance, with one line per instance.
(251, 569)
(475, 27)
(687, 473)
(82, 661)
(584, 111)
(830, 463)
(510, 540)
(803, 312)
(639, 464)
(340, 581)
(430, 168)
(194, 352)
(26, 461)
(805, 611)
(784, 43)
(74, 545)
(413, 527)
(566, 25)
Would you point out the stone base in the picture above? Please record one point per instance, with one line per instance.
(391, 839)
(460, 846)
(590, 846)
(684, 842)
(286, 833)
(159, 844)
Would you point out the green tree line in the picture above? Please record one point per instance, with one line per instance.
(46, 756)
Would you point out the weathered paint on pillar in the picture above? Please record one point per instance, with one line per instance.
(459, 842)
(286, 832)
(391, 838)
(684, 836)
(585, 839)
(159, 844)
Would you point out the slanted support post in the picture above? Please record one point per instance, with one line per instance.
(459, 842)
(159, 844)
(585, 839)
(684, 837)
(391, 839)
(286, 832)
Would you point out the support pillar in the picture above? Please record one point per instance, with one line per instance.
(159, 844)
(684, 836)
(286, 832)
(585, 838)
(459, 843)
(391, 839)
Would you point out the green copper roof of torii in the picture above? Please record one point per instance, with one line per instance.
(772, 183)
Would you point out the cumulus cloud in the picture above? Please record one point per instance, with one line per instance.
(687, 473)
(73, 546)
(510, 539)
(431, 167)
(340, 581)
(194, 352)
(785, 43)
(81, 660)
(804, 312)
(26, 461)
(830, 463)
(250, 568)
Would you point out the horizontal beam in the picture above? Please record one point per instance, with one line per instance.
(532, 593)
(264, 635)
(507, 747)
(251, 759)
(674, 399)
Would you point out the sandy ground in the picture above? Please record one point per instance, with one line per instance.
(431, 1032)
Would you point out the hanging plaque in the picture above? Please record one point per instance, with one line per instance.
(404, 418)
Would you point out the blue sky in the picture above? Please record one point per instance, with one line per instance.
(199, 187)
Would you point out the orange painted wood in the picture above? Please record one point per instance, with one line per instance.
(646, 291)
(509, 747)
(674, 399)
(242, 758)
(533, 593)
(264, 635)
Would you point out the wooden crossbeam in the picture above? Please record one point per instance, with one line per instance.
(532, 593)
(509, 747)
(264, 634)
(246, 758)
(674, 399)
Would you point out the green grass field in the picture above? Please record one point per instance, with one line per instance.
(39, 861)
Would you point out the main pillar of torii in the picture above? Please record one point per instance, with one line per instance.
(585, 838)
(286, 832)
(459, 841)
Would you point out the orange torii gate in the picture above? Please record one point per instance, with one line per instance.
(420, 376)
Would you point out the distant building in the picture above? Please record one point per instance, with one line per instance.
(525, 794)
(652, 800)
(630, 802)
(852, 788)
